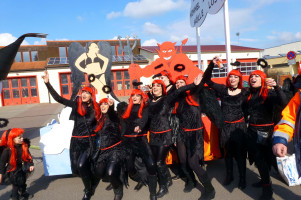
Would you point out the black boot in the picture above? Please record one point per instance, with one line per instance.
(242, 174)
(118, 192)
(24, 193)
(88, 188)
(189, 183)
(139, 186)
(162, 177)
(169, 179)
(152, 186)
(267, 192)
(87, 195)
(109, 187)
(209, 189)
(229, 171)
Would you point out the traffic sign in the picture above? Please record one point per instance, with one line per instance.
(291, 55)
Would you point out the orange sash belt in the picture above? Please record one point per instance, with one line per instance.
(111, 146)
(262, 124)
(240, 120)
(160, 131)
(135, 135)
(196, 129)
(85, 136)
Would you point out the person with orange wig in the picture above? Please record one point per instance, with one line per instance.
(113, 153)
(265, 94)
(134, 131)
(190, 140)
(160, 137)
(85, 112)
(16, 160)
(232, 135)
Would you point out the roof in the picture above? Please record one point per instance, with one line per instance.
(28, 66)
(204, 48)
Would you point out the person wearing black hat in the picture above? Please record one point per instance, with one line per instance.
(232, 135)
(264, 95)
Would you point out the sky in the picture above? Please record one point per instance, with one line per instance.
(260, 23)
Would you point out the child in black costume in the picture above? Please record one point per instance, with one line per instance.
(16, 161)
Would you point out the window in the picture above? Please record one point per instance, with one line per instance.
(18, 57)
(217, 72)
(26, 57)
(34, 92)
(6, 94)
(119, 51)
(16, 93)
(118, 75)
(119, 85)
(62, 51)
(24, 82)
(126, 75)
(247, 68)
(113, 50)
(14, 83)
(126, 50)
(5, 84)
(34, 56)
(33, 82)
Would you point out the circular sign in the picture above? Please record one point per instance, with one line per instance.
(291, 55)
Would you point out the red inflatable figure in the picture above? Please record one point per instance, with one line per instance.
(176, 63)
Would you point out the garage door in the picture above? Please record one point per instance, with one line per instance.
(21, 90)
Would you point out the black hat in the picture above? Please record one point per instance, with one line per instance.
(262, 62)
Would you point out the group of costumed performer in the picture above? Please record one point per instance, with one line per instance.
(152, 113)
(256, 107)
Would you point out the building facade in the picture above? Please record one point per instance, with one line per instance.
(280, 67)
(24, 84)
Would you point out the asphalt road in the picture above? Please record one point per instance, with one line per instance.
(32, 117)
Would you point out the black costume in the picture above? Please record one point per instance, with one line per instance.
(19, 175)
(112, 157)
(260, 130)
(83, 141)
(233, 133)
(139, 146)
(160, 138)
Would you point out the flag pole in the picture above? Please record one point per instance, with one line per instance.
(227, 36)
(198, 36)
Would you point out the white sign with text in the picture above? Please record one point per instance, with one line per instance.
(200, 9)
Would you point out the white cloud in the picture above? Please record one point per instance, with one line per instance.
(152, 29)
(151, 42)
(284, 37)
(148, 8)
(7, 38)
(40, 42)
(113, 14)
(80, 18)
